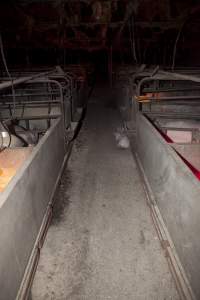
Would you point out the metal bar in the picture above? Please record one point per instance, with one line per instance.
(181, 76)
(178, 128)
(15, 82)
(179, 103)
(178, 98)
(45, 117)
(27, 95)
(173, 115)
(179, 89)
(30, 102)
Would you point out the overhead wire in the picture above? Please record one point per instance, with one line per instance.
(133, 37)
(176, 43)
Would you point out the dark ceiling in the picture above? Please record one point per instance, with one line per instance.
(141, 29)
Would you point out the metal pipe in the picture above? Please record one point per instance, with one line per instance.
(181, 76)
(173, 115)
(178, 89)
(45, 117)
(29, 95)
(178, 98)
(30, 102)
(15, 82)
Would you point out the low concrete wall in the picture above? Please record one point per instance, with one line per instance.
(177, 193)
(23, 205)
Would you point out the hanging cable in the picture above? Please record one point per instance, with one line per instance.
(175, 45)
(133, 38)
(130, 34)
(9, 75)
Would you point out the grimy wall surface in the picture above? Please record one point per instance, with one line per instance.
(177, 194)
(23, 205)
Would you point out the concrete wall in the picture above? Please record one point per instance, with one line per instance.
(177, 193)
(23, 205)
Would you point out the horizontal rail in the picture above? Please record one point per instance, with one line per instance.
(15, 82)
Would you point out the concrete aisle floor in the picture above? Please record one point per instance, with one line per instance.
(102, 243)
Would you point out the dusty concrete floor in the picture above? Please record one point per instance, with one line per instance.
(102, 243)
